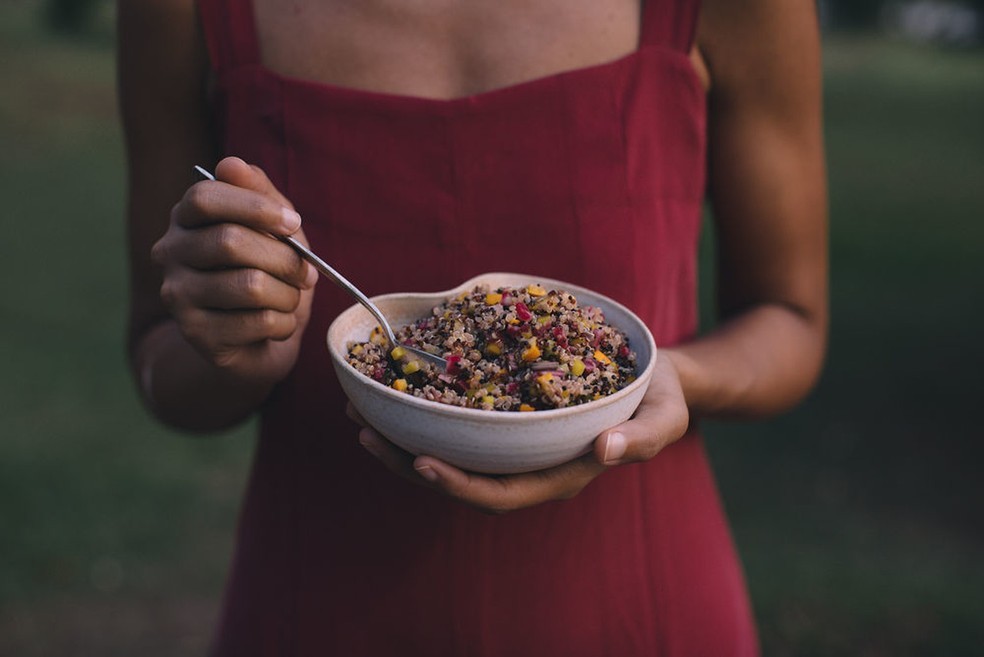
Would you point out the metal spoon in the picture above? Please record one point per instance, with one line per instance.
(343, 283)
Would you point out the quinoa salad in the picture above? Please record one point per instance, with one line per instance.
(508, 349)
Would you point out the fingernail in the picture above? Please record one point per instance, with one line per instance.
(292, 220)
(615, 447)
(427, 473)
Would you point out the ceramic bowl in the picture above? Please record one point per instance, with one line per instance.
(494, 442)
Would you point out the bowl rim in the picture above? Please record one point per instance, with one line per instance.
(642, 378)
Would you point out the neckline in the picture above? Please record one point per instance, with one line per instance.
(481, 98)
(251, 43)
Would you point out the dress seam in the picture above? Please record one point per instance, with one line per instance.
(291, 643)
(456, 224)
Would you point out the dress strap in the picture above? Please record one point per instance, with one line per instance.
(230, 32)
(669, 23)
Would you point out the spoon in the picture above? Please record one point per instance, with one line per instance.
(343, 283)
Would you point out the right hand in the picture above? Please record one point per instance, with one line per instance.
(239, 296)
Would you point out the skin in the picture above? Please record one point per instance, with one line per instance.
(218, 307)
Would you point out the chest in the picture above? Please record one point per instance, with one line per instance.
(441, 48)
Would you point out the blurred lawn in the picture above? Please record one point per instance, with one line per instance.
(114, 533)
(857, 515)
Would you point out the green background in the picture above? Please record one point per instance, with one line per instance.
(857, 515)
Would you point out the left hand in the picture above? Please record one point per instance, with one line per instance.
(661, 419)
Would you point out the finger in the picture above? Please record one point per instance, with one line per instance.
(394, 458)
(212, 202)
(221, 330)
(236, 171)
(230, 289)
(228, 245)
(241, 361)
(269, 187)
(354, 415)
(500, 494)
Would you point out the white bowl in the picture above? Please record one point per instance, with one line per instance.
(494, 442)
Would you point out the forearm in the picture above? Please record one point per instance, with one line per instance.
(184, 390)
(757, 363)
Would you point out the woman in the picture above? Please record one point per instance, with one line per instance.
(423, 143)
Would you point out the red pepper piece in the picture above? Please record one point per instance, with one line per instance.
(454, 364)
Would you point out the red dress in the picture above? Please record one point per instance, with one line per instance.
(594, 176)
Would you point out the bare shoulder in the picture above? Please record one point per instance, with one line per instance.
(758, 48)
(162, 71)
(166, 25)
(155, 16)
(159, 44)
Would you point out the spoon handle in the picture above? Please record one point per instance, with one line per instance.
(341, 281)
(328, 271)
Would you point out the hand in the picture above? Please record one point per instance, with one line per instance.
(661, 419)
(239, 296)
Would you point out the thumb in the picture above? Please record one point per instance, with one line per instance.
(654, 426)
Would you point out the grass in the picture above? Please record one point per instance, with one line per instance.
(855, 515)
(116, 532)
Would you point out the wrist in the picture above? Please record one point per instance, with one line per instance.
(700, 389)
(687, 370)
(184, 390)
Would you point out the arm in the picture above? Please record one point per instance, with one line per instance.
(767, 185)
(216, 316)
(768, 190)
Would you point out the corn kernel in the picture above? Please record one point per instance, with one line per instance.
(488, 399)
(526, 407)
(536, 291)
(532, 353)
(493, 349)
(492, 298)
(358, 349)
(400, 384)
(602, 358)
(544, 379)
(398, 352)
(577, 367)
